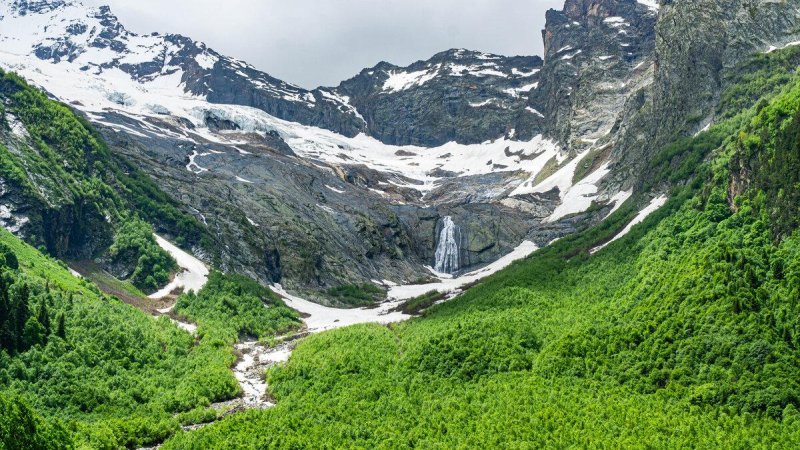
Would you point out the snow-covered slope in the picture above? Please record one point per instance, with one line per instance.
(94, 42)
(74, 53)
(191, 116)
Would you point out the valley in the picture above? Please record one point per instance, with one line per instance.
(593, 248)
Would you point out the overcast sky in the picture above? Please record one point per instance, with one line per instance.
(321, 42)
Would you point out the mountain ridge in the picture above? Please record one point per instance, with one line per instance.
(559, 142)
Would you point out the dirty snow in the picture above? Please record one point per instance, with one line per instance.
(249, 370)
(323, 318)
(193, 277)
(579, 197)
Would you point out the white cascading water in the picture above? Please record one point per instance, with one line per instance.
(448, 258)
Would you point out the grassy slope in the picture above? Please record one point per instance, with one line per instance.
(683, 334)
(81, 196)
(121, 377)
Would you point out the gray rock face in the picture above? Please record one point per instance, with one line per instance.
(279, 218)
(620, 74)
(716, 37)
(457, 95)
(42, 207)
(698, 46)
(595, 51)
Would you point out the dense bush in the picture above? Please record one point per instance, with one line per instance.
(356, 294)
(22, 429)
(114, 375)
(237, 305)
(135, 246)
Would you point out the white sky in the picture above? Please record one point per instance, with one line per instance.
(321, 42)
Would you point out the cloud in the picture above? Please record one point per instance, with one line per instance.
(319, 42)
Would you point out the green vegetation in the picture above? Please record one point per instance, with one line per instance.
(235, 305)
(23, 429)
(767, 159)
(356, 295)
(111, 285)
(112, 375)
(550, 168)
(419, 304)
(764, 74)
(682, 334)
(80, 196)
(591, 162)
(134, 241)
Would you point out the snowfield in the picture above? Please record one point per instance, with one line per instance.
(321, 318)
(90, 84)
(454, 286)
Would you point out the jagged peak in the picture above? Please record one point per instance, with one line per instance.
(594, 10)
(24, 7)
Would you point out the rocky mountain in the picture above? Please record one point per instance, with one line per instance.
(457, 95)
(383, 102)
(361, 209)
(366, 178)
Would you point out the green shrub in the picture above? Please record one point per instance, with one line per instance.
(134, 244)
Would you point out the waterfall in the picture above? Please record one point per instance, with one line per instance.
(447, 253)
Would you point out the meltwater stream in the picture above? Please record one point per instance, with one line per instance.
(447, 252)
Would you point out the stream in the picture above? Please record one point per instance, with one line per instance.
(255, 358)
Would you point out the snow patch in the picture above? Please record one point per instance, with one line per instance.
(344, 103)
(773, 48)
(206, 61)
(652, 4)
(400, 81)
(654, 205)
(579, 197)
(320, 318)
(534, 111)
(193, 277)
(522, 74)
(515, 92)
(618, 200)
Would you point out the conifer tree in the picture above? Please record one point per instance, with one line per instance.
(61, 328)
(19, 315)
(43, 316)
